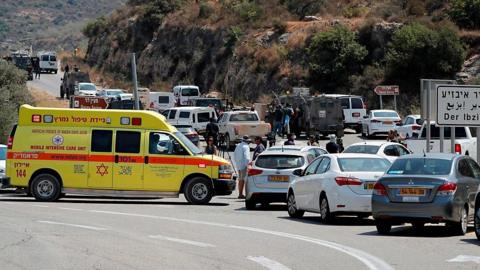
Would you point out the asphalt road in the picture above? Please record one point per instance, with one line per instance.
(94, 233)
(49, 83)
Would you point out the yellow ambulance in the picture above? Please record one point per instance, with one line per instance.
(109, 153)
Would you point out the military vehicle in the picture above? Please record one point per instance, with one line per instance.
(23, 61)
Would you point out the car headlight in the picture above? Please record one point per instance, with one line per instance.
(225, 168)
(225, 172)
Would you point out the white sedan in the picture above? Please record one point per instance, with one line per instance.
(379, 122)
(335, 185)
(410, 126)
(388, 150)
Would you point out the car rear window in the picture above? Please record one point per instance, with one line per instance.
(164, 99)
(363, 164)
(44, 58)
(435, 132)
(244, 117)
(279, 162)
(385, 114)
(87, 86)
(3, 153)
(53, 58)
(345, 103)
(364, 149)
(357, 103)
(421, 166)
(190, 92)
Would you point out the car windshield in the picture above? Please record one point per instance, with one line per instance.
(114, 92)
(385, 114)
(190, 92)
(244, 117)
(88, 87)
(421, 166)
(364, 149)
(208, 102)
(3, 153)
(279, 161)
(194, 149)
(363, 164)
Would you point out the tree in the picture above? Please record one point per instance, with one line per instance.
(13, 93)
(334, 56)
(302, 8)
(465, 13)
(419, 52)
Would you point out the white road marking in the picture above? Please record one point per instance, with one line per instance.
(465, 258)
(71, 209)
(372, 262)
(40, 205)
(72, 225)
(267, 263)
(10, 202)
(182, 241)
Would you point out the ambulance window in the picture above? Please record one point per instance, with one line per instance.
(164, 144)
(101, 141)
(128, 142)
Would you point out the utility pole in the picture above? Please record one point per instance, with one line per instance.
(135, 84)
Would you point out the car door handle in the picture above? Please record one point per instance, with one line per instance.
(116, 158)
(145, 159)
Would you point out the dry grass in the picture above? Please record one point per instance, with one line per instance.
(44, 99)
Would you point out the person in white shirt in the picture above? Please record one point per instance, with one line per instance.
(242, 158)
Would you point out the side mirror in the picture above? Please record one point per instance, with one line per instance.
(298, 172)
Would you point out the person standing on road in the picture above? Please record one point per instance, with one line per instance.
(36, 67)
(211, 149)
(259, 148)
(290, 139)
(212, 130)
(312, 141)
(288, 116)
(278, 121)
(242, 158)
(332, 146)
(66, 69)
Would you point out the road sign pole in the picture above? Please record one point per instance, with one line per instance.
(452, 140)
(395, 101)
(428, 116)
(478, 143)
(135, 83)
(381, 103)
(442, 138)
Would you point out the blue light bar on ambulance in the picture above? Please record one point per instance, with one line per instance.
(125, 120)
(48, 118)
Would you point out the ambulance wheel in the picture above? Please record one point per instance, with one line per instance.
(45, 188)
(198, 190)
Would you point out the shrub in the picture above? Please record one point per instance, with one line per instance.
(92, 28)
(302, 8)
(334, 55)
(205, 10)
(465, 13)
(279, 26)
(13, 93)
(248, 10)
(417, 51)
(234, 35)
(354, 12)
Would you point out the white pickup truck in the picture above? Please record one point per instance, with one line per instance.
(465, 141)
(236, 124)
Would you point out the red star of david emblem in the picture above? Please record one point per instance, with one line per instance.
(102, 169)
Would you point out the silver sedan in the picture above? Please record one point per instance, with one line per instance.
(430, 188)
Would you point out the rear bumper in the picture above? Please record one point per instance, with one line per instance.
(4, 181)
(223, 186)
(267, 197)
(441, 209)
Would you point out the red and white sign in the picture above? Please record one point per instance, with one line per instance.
(80, 102)
(387, 90)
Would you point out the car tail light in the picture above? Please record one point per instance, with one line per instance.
(379, 189)
(10, 142)
(376, 121)
(416, 127)
(252, 172)
(235, 129)
(447, 189)
(458, 148)
(348, 181)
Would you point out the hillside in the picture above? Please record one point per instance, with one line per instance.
(48, 24)
(249, 49)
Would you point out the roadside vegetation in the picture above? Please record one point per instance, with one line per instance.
(13, 94)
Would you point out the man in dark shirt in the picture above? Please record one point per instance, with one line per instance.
(290, 139)
(332, 146)
(212, 130)
(278, 120)
(259, 148)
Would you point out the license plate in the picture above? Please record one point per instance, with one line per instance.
(369, 185)
(412, 192)
(410, 199)
(388, 122)
(278, 178)
(356, 114)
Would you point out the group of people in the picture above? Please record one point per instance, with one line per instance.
(394, 136)
(284, 120)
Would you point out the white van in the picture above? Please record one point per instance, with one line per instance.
(183, 94)
(353, 110)
(197, 117)
(160, 101)
(48, 62)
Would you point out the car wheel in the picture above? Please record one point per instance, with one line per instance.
(460, 228)
(292, 207)
(476, 222)
(325, 215)
(383, 227)
(45, 188)
(198, 190)
(250, 204)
